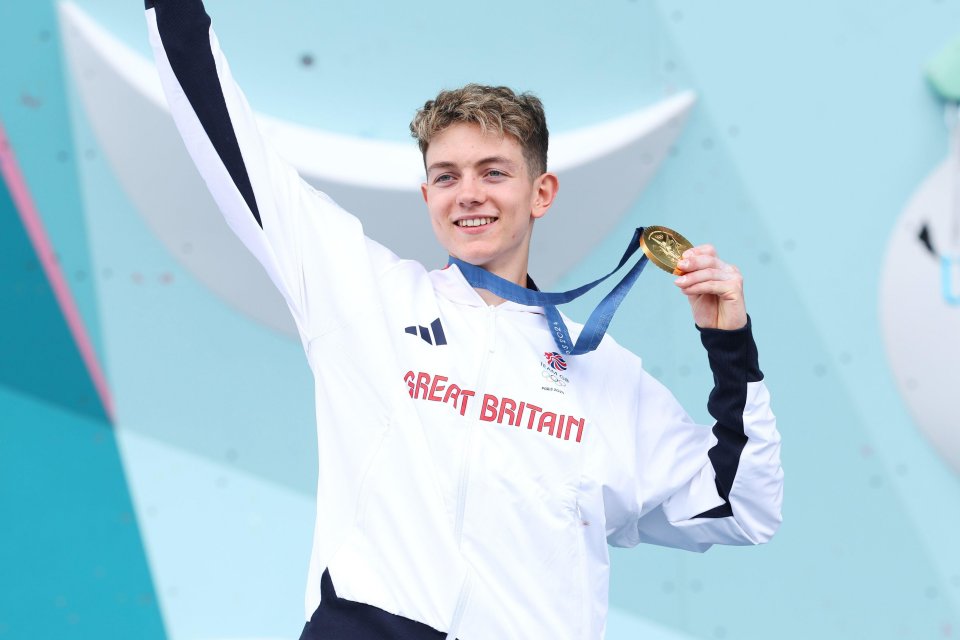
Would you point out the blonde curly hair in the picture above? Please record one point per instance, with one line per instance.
(496, 110)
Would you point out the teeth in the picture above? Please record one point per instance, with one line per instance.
(475, 222)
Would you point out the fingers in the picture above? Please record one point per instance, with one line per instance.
(700, 249)
(714, 288)
(702, 257)
(707, 274)
(725, 290)
(689, 278)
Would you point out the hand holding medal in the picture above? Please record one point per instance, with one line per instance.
(713, 287)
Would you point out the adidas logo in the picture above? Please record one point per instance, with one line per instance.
(434, 335)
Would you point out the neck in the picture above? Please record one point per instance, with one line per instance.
(517, 275)
(490, 298)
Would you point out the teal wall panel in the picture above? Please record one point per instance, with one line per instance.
(34, 112)
(40, 356)
(73, 562)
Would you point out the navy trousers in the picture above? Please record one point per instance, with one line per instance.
(339, 619)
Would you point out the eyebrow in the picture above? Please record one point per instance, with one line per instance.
(483, 161)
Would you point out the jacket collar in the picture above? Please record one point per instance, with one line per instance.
(450, 283)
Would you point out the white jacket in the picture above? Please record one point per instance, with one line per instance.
(470, 479)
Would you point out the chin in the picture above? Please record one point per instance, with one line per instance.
(479, 260)
(473, 255)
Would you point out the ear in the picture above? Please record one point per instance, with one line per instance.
(423, 191)
(545, 189)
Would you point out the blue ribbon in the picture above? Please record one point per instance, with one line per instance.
(597, 323)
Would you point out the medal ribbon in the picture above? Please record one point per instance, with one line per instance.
(597, 323)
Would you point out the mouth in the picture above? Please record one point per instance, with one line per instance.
(474, 222)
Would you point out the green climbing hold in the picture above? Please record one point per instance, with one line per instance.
(943, 72)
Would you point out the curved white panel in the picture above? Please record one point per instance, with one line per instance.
(921, 329)
(376, 180)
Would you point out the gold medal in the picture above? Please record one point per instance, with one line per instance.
(664, 247)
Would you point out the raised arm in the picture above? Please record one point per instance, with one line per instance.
(294, 231)
(692, 486)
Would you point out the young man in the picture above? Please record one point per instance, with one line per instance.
(471, 477)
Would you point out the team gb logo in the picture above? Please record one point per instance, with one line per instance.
(556, 361)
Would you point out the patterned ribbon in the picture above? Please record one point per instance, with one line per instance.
(597, 323)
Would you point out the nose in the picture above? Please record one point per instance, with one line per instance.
(470, 192)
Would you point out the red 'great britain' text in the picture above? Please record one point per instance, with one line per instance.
(504, 411)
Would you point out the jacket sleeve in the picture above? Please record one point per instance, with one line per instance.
(689, 486)
(296, 233)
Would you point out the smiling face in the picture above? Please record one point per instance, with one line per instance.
(482, 199)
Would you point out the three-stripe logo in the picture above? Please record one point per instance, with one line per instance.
(434, 335)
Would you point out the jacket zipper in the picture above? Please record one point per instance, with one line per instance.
(489, 347)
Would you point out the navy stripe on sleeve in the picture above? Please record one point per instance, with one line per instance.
(734, 362)
(184, 28)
